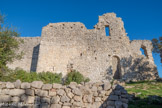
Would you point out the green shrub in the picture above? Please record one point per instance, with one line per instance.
(46, 77)
(75, 76)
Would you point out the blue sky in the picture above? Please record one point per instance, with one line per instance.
(142, 18)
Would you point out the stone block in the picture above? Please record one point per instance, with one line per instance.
(66, 107)
(118, 104)
(94, 88)
(110, 107)
(2, 85)
(118, 87)
(124, 100)
(72, 85)
(37, 84)
(9, 85)
(5, 91)
(29, 92)
(55, 99)
(70, 95)
(123, 91)
(111, 103)
(55, 106)
(37, 99)
(125, 105)
(45, 100)
(77, 104)
(25, 85)
(15, 99)
(41, 92)
(76, 91)
(95, 94)
(78, 98)
(96, 105)
(67, 104)
(97, 99)
(16, 92)
(30, 99)
(87, 98)
(17, 84)
(60, 92)
(47, 86)
(101, 93)
(52, 92)
(57, 86)
(117, 92)
(65, 99)
(5, 98)
(107, 86)
(113, 97)
(46, 105)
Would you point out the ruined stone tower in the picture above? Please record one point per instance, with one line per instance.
(70, 45)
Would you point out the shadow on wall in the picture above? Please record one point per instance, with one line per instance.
(133, 70)
(34, 61)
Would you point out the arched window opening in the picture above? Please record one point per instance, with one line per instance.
(116, 67)
(144, 51)
(107, 30)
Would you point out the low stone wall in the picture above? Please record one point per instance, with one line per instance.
(39, 95)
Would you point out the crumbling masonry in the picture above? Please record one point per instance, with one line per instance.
(71, 46)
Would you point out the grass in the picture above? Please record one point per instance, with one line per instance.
(148, 94)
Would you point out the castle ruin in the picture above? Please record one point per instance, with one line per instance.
(68, 46)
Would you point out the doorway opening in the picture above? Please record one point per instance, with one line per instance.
(116, 67)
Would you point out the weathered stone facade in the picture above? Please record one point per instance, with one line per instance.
(70, 45)
(85, 95)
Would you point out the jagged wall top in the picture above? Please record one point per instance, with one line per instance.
(115, 24)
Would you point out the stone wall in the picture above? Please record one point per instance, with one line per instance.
(30, 49)
(85, 95)
(70, 46)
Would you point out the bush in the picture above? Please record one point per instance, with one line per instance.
(75, 76)
(46, 77)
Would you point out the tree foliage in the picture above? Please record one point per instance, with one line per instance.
(8, 45)
(157, 46)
